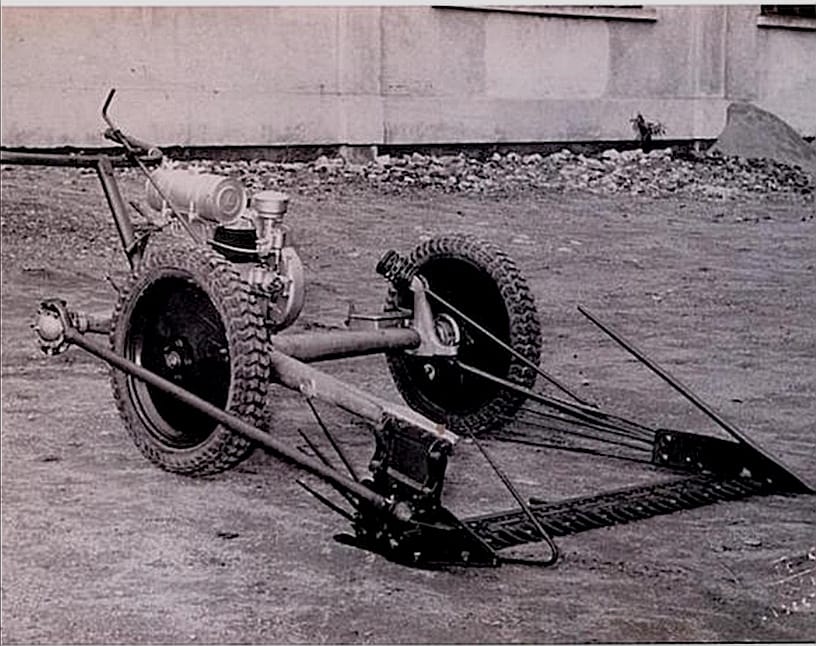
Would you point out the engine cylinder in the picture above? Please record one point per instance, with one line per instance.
(211, 197)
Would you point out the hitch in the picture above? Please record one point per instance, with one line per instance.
(53, 319)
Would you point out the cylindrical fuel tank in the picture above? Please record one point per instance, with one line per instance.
(212, 197)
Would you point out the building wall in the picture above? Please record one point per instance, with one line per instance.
(391, 75)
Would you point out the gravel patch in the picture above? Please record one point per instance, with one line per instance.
(659, 173)
(60, 212)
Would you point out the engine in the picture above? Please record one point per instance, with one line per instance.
(248, 231)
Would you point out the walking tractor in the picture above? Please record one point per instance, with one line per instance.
(200, 330)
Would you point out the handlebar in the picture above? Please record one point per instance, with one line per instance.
(77, 160)
(134, 147)
(106, 105)
(119, 137)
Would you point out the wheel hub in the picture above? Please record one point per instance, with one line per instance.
(177, 356)
(176, 331)
(447, 329)
(448, 334)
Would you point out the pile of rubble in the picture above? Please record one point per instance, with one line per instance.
(655, 174)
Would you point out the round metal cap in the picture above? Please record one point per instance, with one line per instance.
(270, 202)
(229, 199)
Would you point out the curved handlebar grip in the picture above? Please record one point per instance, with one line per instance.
(106, 105)
(133, 146)
(120, 137)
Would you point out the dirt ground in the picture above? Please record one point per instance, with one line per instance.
(98, 546)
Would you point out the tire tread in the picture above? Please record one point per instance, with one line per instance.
(244, 322)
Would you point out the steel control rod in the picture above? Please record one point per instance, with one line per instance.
(233, 423)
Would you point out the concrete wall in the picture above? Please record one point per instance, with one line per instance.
(391, 75)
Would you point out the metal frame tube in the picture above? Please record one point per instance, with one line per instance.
(78, 160)
(340, 344)
(314, 383)
(48, 159)
(124, 225)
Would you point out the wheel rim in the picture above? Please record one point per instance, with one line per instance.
(176, 332)
(474, 292)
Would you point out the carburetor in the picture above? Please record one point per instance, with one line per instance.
(247, 231)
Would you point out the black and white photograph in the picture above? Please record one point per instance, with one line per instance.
(380, 323)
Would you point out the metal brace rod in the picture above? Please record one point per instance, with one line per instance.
(634, 434)
(505, 346)
(590, 436)
(334, 443)
(124, 225)
(694, 399)
(545, 536)
(322, 457)
(326, 501)
(559, 405)
(513, 438)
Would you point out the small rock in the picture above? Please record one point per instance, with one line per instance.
(659, 153)
(631, 155)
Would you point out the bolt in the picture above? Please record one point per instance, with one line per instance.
(172, 360)
(403, 511)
